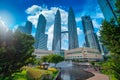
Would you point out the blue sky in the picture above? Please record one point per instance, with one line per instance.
(17, 12)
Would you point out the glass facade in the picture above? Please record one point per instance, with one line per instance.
(40, 36)
(72, 30)
(90, 36)
(56, 45)
(108, 9)
(27, 28)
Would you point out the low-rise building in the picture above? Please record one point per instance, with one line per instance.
(39, 53)
(87, 54)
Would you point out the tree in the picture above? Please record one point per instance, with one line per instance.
(55, 58)
(52, 58)
(15, 50)
(110, 37)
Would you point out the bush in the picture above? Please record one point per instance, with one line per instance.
(54, 70)
(37, 74)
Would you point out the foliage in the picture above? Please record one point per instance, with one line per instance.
(20, 75)
(37, 74)
(112, 66)
(15, 50)
(54, 70)
(110, 37)
(53, 58)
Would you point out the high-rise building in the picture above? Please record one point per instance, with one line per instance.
(27, 28)
(42, 43)
(108, 8)
(72, 30)
(56, 45)
(40, 36)
(90, 36)
(21, 28)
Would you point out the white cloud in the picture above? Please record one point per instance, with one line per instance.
(78, 19)
(98, 33)
(98, 15)
(79, 31)
(50, 36)
(96, 24)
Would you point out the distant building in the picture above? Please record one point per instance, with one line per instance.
(72, 30)
(27, 28)
(90, 36)
(39, 53)
(40, 36)
(56, 45)
(21, 28)
(108, 8)
(83, 54)
(42, 42)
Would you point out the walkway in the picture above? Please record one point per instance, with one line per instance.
(95, 71)
(98, 76)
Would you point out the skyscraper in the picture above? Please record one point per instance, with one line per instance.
(90, 36)
(108, 8)
(27, 28)
(40, 36)
(56, 45)
(72, 30)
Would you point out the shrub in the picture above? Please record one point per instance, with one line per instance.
(37, 74)
(54, 70)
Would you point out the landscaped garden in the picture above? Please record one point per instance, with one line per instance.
(37, 73)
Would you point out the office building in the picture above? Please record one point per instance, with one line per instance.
(90, 37)
(42, 41)
(40, 36)
(56, 45)
(26, 29)
(108, 8)
(72, 30)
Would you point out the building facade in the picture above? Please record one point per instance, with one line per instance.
(108, 8)
(81, 54)
(56, 45)
(39, 53)
(90, 36)
(27, 28)
(72, 30)
(40, 36)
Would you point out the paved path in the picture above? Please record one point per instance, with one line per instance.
(99, 76)
(95, 71)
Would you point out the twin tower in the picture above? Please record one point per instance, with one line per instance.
(72, 31)
(41, 40)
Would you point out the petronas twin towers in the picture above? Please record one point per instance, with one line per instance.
(72, 31)
(41, 37)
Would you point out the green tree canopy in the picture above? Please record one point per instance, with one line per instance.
(52, 58)
(110, 36)
(15, 50)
